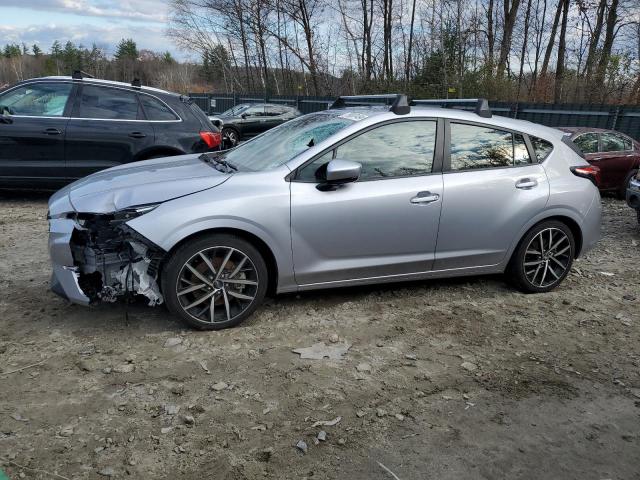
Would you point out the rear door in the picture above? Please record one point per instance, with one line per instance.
(492, 188)
(107, 128)
(616, 158)
(33, 132)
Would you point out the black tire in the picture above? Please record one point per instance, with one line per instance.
(521, 278)
(230, 137)
(622, 191)
(175, 270)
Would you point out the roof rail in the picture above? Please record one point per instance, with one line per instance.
(79, 75)
(481, 108)
(136, 83)
(399, 104)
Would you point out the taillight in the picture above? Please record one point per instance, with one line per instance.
(212, 139)
(589, 172)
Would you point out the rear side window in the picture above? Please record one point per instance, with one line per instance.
(614, 143)
(587, 142)
(541, 148)
(274, 111)
(155, 109)
(474, 147)
(108, 103)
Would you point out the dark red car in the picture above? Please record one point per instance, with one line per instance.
(616, 154)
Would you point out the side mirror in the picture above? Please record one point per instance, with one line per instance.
(243, 116)
(338, 172)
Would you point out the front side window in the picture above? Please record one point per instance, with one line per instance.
(614, 143)
(108, 103)
(255, 111)
(541, 147)
(37, 99)
(474, 147)
(155, 109)
(395, 150)
(587, 142)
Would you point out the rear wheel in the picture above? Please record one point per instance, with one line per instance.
(230, 137)
(543, 258)
(215, 281)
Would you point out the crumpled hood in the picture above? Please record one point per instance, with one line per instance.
(142, 183)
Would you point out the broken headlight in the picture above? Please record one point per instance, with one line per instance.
(133, 212)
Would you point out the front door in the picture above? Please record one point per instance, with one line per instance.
(383, 225)
(492, 188)
(108, 128)
(32, 134)
(253, 120)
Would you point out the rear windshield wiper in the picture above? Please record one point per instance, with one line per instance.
(218, 161)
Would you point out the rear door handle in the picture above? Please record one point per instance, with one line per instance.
(52, 131)
(137, 135)
(527, 183)
(425, 197)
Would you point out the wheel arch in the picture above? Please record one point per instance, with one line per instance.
(157, 151)
(561, 216)
(256, 241)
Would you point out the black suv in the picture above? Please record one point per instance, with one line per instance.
(54, 130)
(250, 119)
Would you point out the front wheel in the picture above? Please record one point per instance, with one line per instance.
(543, 257)
(215, 281)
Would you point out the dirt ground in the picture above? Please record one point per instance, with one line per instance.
(459, 379)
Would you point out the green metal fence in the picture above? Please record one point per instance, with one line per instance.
(624, 118)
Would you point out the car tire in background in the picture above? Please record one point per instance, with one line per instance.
(230, 137)
(543, 257)
(622, 191)
(218, 272)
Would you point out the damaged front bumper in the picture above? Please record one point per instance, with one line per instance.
(97, 257)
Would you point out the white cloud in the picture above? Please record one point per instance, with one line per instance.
(138, 10)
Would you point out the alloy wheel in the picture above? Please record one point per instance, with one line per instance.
(547, 257)
(217, 284)
(230, 137)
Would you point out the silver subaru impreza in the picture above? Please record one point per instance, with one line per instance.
(351, 195)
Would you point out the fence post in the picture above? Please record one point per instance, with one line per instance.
(614, 122)
(515, 109)
(235, 99)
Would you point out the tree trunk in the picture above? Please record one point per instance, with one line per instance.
(523, 51)
(510, 12)
(609, 37)
(562, 48)
(552, 39)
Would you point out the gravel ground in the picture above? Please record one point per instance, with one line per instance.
(457, 379)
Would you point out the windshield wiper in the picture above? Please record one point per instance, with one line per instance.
(219, 161)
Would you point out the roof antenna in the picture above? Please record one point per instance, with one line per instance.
(136, 83)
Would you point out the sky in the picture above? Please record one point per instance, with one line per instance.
(103, 22)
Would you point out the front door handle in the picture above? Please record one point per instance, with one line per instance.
(52, 131)
(137, 135)
(425, 197)
(527, 183)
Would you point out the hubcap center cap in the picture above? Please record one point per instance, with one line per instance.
(218, 284)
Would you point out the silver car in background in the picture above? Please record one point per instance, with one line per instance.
(351, 195)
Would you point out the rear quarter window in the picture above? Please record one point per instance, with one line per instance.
(541, 148)
(155, 109)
